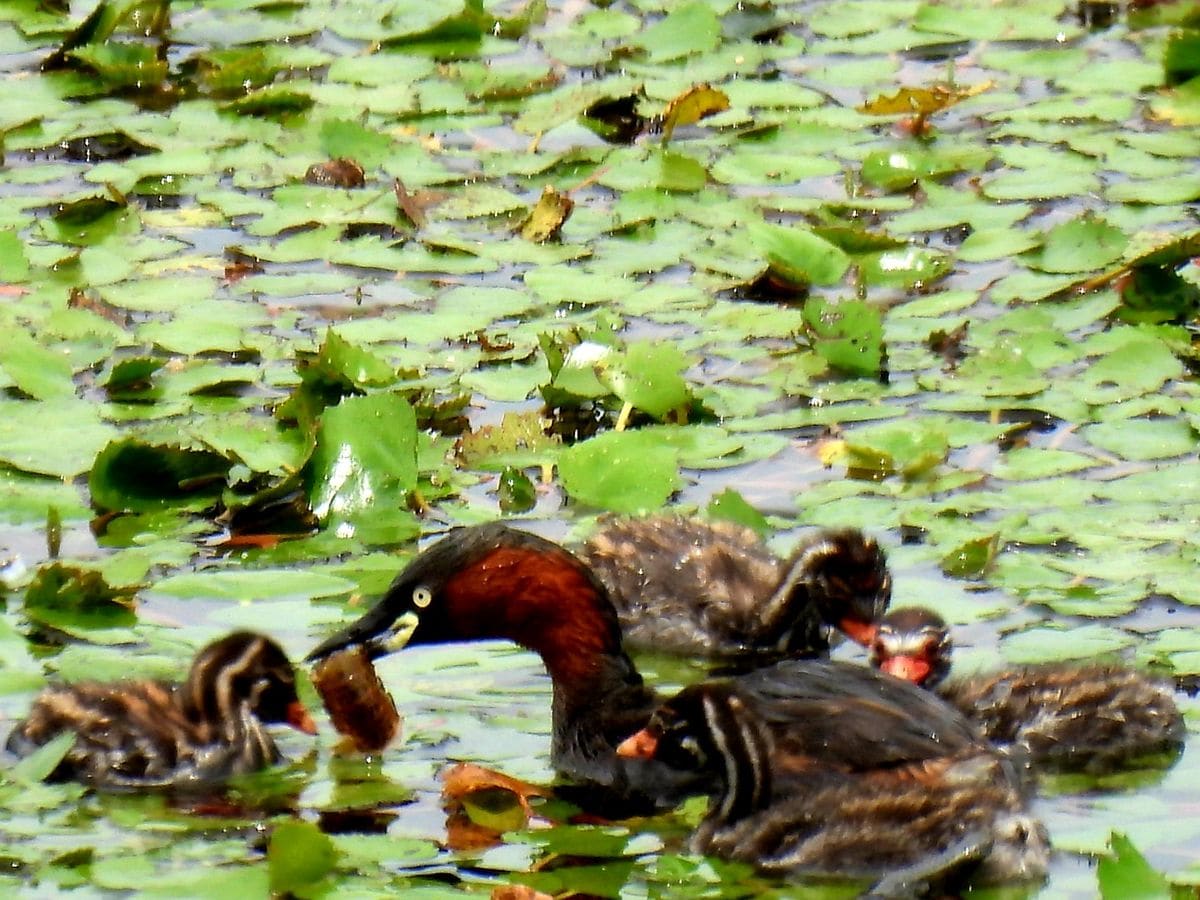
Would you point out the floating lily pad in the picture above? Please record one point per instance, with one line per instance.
(626, 472)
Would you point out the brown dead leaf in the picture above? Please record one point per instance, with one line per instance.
(81, 299)
(481, 804)
(341, 172)
(921, 101)
(463, 779)
(409, 204)
(546, 219)
(697, 102)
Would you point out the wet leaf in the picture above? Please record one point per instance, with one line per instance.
(972, 559)
(38, 371)
(1126, 874)
(892, 448)
(649, 377)
(299, 857)
(688, 29)
(847, 334)
(730, 506)
(72, 599)
(137, 475)
(38, 765)
(519, 440)
(799, 256)
(625, 472)
(1080, 245)
(365, 456)
(517, 493)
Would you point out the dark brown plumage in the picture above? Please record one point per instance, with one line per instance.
(1068, 716)
(963, 816)
(492, 581)
(147, 734)
(685, 585)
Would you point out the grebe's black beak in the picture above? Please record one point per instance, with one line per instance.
(381, 631)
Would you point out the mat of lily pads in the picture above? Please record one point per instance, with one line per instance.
(286, 285)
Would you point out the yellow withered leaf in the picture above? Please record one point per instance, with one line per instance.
(547, 217)
(696, 103)
(921, 101)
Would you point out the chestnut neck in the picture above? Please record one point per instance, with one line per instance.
(547, 601)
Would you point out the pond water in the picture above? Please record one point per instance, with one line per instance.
(973, 327)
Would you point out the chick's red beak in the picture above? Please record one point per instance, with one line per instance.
(858, 631)
(910, 668)
(298, 718)
(639, 746)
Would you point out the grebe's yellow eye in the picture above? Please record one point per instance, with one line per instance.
(422, 596)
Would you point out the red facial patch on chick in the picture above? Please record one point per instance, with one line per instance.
(909, 668)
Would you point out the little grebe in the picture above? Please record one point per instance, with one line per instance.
(714, 589)
(491, 581)
(1079, 717)
(144, 734)
(915, 823)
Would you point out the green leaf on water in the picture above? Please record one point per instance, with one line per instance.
(247, 585)
(71, 599)
(14, 266)
(972, 559)
(730, 506)
(365, 456)
(134, 474)
(1081, 245)
(517, 493)
(798, 256)
(649, 376)
(847, 333)
(904, 448)
(1125, 875)
(38, 765)
(626, 472)
(123, 65)
(38, 371)
(299, 857)
(691, 28)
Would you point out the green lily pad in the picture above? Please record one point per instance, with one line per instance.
(847, 334)
(132, 474)
(365, 455)
(38, 371)
(299, 857)
(625, 472)
(799, 256)
(75, 600)
(1125, 873)
(1080, 245)
(905, 448)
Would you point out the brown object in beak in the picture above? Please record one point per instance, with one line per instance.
(638, 746)
(358, 703)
